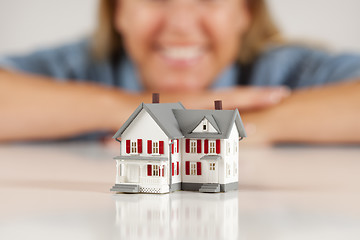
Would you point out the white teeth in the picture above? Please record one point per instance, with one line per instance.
(182, 53)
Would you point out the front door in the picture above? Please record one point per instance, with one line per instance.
(213, 172)
(133, 173)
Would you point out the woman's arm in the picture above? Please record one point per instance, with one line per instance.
(39, 108)
(327, 114)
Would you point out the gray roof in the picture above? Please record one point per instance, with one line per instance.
(163, 116)
(210, 157)
(224, 120)
(137, 157)
(178, 122)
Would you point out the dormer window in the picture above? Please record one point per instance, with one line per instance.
(205, 125)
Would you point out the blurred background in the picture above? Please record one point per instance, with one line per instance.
(26, 25)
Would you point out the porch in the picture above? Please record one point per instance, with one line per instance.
(137, 170)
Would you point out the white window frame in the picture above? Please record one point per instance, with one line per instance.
(193, 146)
(228, 148)
(174, 168)
(155, 148)
(212, 166)
(175, 146)
(133, 147)
(156, 170)
(228, 170)
(212, 147)
(236, 144)
(193, 168)
(235, 169)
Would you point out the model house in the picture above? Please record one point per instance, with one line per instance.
(165, 147)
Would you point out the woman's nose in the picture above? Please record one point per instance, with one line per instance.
(182, 17)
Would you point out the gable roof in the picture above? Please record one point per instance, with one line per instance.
(211, 121)
(178, 122)
(224, 120)
(162, 115)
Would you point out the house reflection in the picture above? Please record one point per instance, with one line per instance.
(181, 215)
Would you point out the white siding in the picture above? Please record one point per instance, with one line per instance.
(144, 127)
(231, 159)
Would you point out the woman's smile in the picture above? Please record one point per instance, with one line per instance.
(181, 45)
(181, 56)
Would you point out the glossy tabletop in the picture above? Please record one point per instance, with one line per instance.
(61, 191)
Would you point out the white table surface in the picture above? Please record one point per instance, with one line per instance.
(61, 191)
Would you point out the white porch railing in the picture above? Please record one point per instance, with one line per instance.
(153, 180)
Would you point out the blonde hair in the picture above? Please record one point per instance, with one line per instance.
(262, 32)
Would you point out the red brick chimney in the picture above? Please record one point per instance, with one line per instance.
(218, 105)
(155, 98)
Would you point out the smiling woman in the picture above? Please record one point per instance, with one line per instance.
(183, 45)
(193, 51)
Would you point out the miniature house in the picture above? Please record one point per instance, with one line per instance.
(165, 147)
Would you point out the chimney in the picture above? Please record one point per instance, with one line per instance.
(155, 98)
(218, 105)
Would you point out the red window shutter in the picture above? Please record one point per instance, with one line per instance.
(218, 146)
(149, 148)
(127, 146)
(139, 142)
(199, 146)
(177, 142)
(172, 169)
(149, 170)
(198, 168)
(206, 146)
(187, 147)
(177, 168)
(161, 147)
(162, 170)
(172, 147)
(187, 168)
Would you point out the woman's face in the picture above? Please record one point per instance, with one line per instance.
(180, 45)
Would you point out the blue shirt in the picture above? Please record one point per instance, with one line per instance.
(292, 66)
(289, 65)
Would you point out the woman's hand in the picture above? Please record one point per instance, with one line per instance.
(243, 98)
(322, 115)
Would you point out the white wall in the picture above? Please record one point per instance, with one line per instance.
(334, 22)
(30, 24)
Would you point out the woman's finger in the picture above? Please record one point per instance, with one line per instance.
(249, 98)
